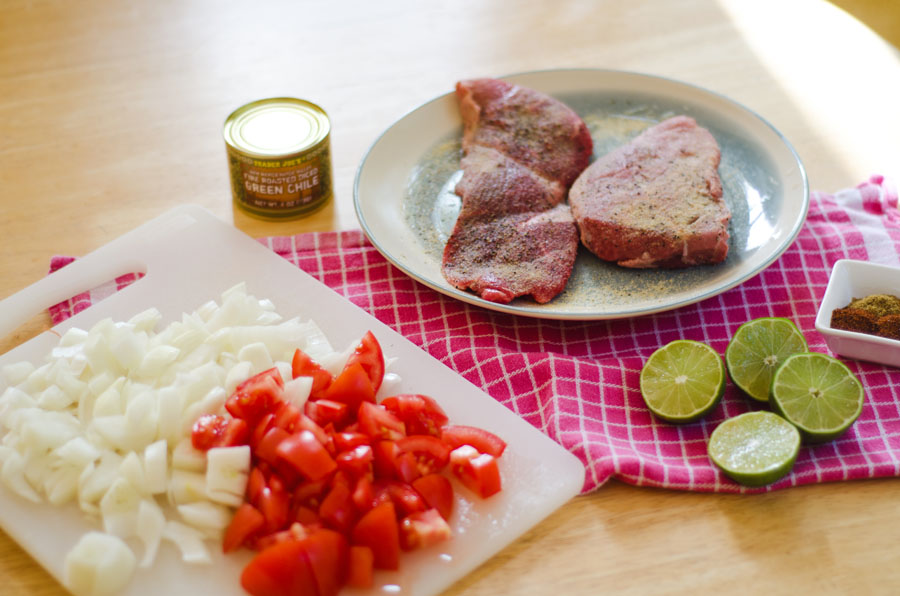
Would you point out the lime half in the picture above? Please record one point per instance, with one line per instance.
(683, 380)
(755, 448)
(756, 351)
(818, 394)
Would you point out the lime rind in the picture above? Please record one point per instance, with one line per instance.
(818, 394)
(682, 381)
(757, 349)
(755, 448)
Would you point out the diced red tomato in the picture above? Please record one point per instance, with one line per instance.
(342, 477)
(282, 569)
(345, 441)
(422, 529)
(267, 448)
(378, 423)
(337, 508)
(328, 554)
(259, 381)
(307, 423)
(274, 505)
(255, 483)
(260, 429)
(368, 355)
(361, 573)
(326, 411)
(256, 397)
(352, 387)
(391, 463)
(378, 530)
(306, 517)
(420, 413)
(437, 492)
(477, 471)
(287, 416)
(292, 532)
(405, 498)
(363, 494)
(357, 461)
(247, 521)
(338, 486)
(310, 493)
(303, 365)
(430, 453)
(484, 441)
(306, 455)
(213, 430)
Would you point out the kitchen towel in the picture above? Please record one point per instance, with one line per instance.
(578, 381)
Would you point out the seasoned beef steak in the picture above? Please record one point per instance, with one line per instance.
(522, 150)
(656, 201)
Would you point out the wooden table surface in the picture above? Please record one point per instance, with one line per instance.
(111, 113)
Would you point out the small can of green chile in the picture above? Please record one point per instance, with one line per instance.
(279, 157)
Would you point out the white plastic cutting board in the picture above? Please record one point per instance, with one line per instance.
(189, 258)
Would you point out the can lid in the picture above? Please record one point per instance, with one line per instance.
(276, 126)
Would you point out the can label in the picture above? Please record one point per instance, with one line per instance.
(282, 186)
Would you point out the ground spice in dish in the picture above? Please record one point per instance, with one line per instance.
(889, 326)
(876, 314)
(878, 304)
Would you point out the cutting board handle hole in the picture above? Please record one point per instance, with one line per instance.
(78, 302)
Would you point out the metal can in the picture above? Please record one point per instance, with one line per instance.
(279, 157)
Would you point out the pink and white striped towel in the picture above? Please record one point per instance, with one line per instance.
(578, 381)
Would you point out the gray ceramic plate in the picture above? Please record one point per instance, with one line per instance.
(404, 198)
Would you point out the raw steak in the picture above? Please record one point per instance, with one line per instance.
(515, 235)
(656, 201)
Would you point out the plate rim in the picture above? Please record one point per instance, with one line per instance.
(534, 310)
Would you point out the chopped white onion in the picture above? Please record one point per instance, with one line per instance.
(61, 485)
(156, 467)
(257, 355)
(206, 516)
(106, 421)
(227, 470)
(297, 391)
(238, 373)
(16, 372)
(110, 402)
(188, 540)
(13, 476)
(186, 487)
(54, 398)
(151, 521)
(78, 452)
(185, 457)
(98, 565)
(132, 470)
(119, 508)
(157, 359)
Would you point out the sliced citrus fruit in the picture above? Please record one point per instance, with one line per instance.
(756, 351)
(683, 380)
(818, 394)
(755, 448)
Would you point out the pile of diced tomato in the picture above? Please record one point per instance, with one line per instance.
(340, 487)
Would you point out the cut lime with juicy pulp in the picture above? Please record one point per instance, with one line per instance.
(818, 394)
(756, 448)
(756, 351)
(683, 380)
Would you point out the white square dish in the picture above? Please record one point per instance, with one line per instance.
(855, 279)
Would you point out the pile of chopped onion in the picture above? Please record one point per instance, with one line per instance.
(106, 420)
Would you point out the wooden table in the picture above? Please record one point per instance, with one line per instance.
(111, 113)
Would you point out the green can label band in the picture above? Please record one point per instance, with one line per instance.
(281, 186)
